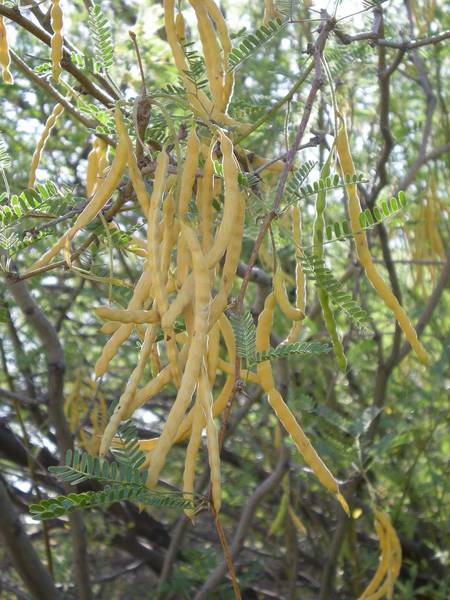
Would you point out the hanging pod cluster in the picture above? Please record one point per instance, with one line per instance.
(189, 269)
(382, 583)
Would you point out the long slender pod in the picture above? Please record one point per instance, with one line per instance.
(92, 168)
(37, 154)
(102, 194)
(281, 409)
(380, 573)
(291, 312)
(191, 454)
(362, 249)
(135, 174)
(227, 46)
(206, 401)
(300, 282)
(130, 389)
(5, 58)
(56, 21)
(110, 349)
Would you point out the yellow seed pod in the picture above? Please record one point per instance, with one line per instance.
(51, 121)
(56, 19)
(5, 59)
(180, 27)
(92, 169)
(296, 521)
(362, 248)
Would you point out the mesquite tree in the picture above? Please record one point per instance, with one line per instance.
(223, 264)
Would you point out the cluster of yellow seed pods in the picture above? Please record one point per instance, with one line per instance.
(382, 583)
(189, 270)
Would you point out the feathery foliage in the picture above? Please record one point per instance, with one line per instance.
(247, 180)
(245, 336)
(62, 505)
(296, 193)
(81, 466)
(367, 219)
(5, 159)
(197, 70)
(101, 33)
(254, 41)
(295, 349)
(316, 270)
(123, 477)
(28, 200)
(288, 8)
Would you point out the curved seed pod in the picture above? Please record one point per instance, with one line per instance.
(304, 446)
(128, 394)
(263, 342)
(281, 409)
(291, 312)
(50, 123)
(155, 385)
(56, 21)
(102, 194)
(232, 214)
(222, 398)
(280, 517)
(232, 202)
(92, 169)
(206, 400)
(362, 249)
(232, 257)
(383, 563)
(5, 58)
(300, 282)
(103, 163)
(191, 455)
(110, 349)
(135, 174)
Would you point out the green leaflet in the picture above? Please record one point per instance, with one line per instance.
(254, 41)
(101, 32)
(316, 270)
